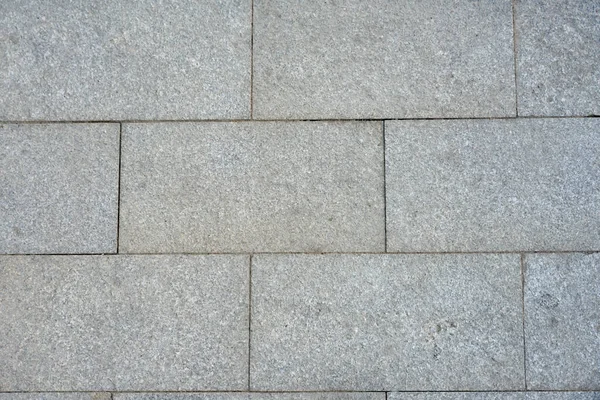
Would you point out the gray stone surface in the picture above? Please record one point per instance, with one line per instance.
(495, 396)
(251, 396)
(71, 323)
(558, 55)
(252, 187)
(115, 60)
(55, 396)
(386, 322)
(562, 321)
(59, 188)
(493, 185)
(383, 59)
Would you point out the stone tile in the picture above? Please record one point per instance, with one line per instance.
(55, 396)
(386, 322)
(495, 396)
(558, 57)
(562, 395)
(562, 321)
(116, 60)
(457, 396)
(493, 185)
(59, 188)
(252, 396)
(72, 323)
(382, 59)
(252, 187)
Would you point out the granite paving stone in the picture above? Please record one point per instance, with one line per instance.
(58, 188)
(252, 187)
(252, 396)
(55, 396)
(493, 185)
(562, 321)
(383, 59)
(386, 322)
(124, 60)
(90, 323)
(495, 396)
(558, 57)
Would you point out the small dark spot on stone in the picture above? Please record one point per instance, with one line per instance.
(553, 322)
(436, 351)
(17, 231)
(548, 301)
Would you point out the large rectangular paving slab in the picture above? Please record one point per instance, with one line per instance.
(386, 322)
(59, 188)
(562, 321)
(382, 59)
(558, 55)
(119, 60)
(252, 187)
(251, 396)
(55, 396)
(495, 396)
(493, 185)
(78, 323)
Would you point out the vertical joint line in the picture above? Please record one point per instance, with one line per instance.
(249, 316)
(119, 184)
(252, 59)
(385, 245)
(523, 317)
(514, 26)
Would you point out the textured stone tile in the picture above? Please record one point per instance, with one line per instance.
(252, 187)
(123, 323)
(558, 57)
(386, 322)
(55, 396)
(114, 60)
(495, 396)
(457, 396)
(382, 59)
(493, 185)
(252, 396)
(562, 321)
(59, 188)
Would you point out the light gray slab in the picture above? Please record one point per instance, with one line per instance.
(562, 321)
(495, 396)
(55, 396)
(115, 60)
(493, 185)
(252, 187)
(383, 59)
(72, 323)
(386, 322)
(252, 396)
(558, 57)
(59, 188)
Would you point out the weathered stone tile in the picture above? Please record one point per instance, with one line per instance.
(494, 396)
(493, 185)
(562, 321)
(252, 187)
(252, 396)
(386, 322)
(115, 60)
(558, 57)
(55, 396)
(71, 323)
(59, 188)
(382, 59)
(457, 396)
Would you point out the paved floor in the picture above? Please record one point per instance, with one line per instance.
(300, 200)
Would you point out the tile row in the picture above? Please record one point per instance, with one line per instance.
(251, 187)
(446, 322)
(306, 396)
(184, 59)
